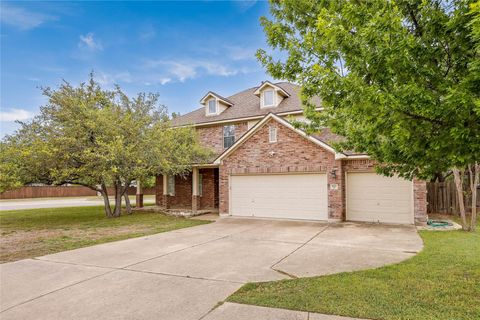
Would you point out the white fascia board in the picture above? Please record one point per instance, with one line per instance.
(204, 124)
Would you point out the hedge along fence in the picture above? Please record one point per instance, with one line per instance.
(60, 191)
(442, 198)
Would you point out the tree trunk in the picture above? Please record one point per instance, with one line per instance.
(117, 211)
(127, 203)
(458, 177)
(106, 201)
(474, 171)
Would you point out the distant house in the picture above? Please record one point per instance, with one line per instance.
(264, 167)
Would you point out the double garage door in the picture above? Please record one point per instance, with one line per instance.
(369, 197)
(290, 196)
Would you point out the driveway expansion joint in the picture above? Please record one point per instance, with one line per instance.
(56, 290)
(295, 250)
(141, 271)
(175, 251)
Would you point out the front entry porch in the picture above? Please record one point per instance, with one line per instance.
(195, 192)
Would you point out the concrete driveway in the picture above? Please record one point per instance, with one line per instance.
(183, 274)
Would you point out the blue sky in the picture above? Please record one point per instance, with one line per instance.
(179, 49)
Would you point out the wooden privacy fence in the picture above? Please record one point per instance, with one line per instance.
(442, 198)
(60, 191)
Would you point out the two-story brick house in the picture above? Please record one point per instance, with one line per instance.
(264, 167)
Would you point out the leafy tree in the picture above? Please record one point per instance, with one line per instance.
(97, 138)
(9, 170)
(398, 79)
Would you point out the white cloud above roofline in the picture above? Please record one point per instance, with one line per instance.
(22, 18)
(14, 114)
(89, 42)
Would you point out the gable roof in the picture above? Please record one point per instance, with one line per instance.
(260, 124)
(272, 85)
(219, 97)
(246, 104)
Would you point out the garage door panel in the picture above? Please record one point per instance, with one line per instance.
(293, 196)
(376, 198)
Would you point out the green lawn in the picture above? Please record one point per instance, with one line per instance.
(36, 232)
(441, 282)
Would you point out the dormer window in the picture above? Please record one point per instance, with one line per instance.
(215, 104)
(212, 106)
(268, 96)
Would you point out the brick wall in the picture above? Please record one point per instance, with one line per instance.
(209, 197)
(183, 191)
(291, 153)
(212, 137)
(159, 201)
(359, 165)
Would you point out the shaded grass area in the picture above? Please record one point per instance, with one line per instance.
(36, 232)
(441, 282)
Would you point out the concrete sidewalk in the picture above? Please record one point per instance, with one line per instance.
(184, 274)
(22, 204)
(235, 311)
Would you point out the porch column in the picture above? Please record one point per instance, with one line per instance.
(195, 197)
(139, 195)
(165, 192)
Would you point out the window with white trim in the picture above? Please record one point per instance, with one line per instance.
(228, 136)
(272, 134)
(212, 106)
(171, 185)
(268, 96)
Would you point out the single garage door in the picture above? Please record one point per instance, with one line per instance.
(290, 196)
(376, 198)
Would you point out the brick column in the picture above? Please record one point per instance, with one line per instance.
(336, 190)
(420, 201)
(195, 197)
(223, 191)
(139, 195)
(166, 202)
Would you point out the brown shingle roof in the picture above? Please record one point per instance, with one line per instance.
(246, 104)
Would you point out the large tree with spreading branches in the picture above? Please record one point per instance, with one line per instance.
(97, 138)
(399, 79)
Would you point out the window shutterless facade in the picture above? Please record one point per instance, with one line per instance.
(272, 134)
(228, 136)
(171, 185)
(268, 98)
(212, 106)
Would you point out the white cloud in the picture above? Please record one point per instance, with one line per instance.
(11, 115)
(182, 71)
(218, 69)
(22, 18)
(88, 42)
(244, 5)
(238, 53)
(190, 69)
(165, 81)
(107, 79)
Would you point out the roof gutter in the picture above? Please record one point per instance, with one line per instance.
(205, 124)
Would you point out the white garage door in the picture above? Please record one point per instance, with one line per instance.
(292, 196)
(376, 198)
